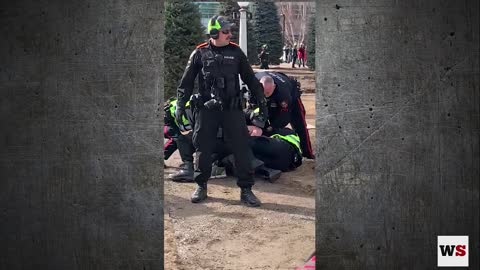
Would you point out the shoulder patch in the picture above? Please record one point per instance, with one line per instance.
(202, 45)
(235, 44)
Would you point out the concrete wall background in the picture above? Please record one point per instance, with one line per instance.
(81, 159)
(397, 131)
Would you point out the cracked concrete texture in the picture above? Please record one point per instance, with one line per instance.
(81, 135)
(397, 131)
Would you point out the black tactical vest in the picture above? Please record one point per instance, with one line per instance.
(220, 75)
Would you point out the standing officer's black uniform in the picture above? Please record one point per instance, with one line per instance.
(285, 106)
(219, 105)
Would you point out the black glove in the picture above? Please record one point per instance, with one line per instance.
(259, 121)
(179, 112)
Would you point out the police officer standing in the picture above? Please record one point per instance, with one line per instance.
(218, 63)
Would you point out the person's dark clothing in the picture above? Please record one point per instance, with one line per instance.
(263, 56)
(176, 140)
(234, 62)
(228, 62)
(299, 124)
(287, 55)
(170, 144)
(277, 153)
(279, 103)
(185, 147)
(294, 57)
(235, 135)
(288, 91)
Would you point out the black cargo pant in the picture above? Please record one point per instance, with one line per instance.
(185, 147)
(236, 137)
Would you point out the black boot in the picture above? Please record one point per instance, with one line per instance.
(269, 174)
(247, 197)
(200, 193)
(185, 174)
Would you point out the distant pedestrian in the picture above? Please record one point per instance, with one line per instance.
(286, 54)
(294, 55)
(301, 55)
(263, 56)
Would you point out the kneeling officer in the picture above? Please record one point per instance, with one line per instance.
(219, 104)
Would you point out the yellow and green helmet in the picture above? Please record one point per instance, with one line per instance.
(218, 23)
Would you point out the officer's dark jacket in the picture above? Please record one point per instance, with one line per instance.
(279, 103)
(234, 63)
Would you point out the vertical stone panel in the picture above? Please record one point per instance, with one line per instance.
(81, 158)
(397, 131)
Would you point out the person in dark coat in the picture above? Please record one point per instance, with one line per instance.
(263, 56)
(294, 55)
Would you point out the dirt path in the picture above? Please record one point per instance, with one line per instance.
(221, 233)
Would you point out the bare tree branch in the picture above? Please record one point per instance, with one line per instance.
(296, 19)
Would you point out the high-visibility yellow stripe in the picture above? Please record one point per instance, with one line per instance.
(293, 139)
(173, 107)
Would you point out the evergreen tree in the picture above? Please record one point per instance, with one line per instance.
(227, 8)
(183, 31)
(311, 44)
(267, 29)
